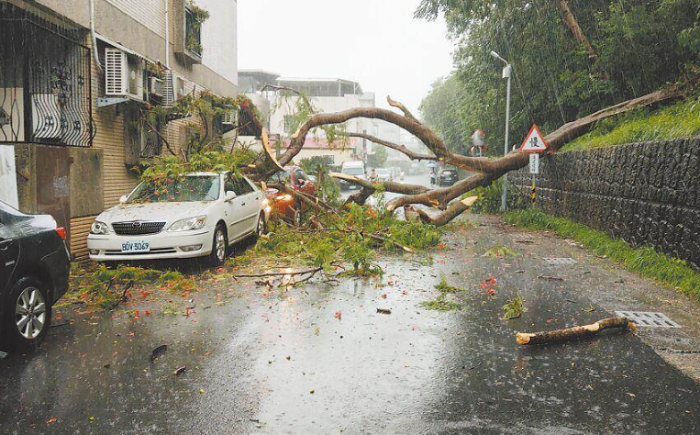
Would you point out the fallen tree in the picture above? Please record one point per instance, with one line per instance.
(447, 201)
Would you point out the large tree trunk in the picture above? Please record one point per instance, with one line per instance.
(485, 170)
(572, 24)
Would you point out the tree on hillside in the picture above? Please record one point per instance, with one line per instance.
(639, 46)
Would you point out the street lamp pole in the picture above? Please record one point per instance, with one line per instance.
(507, 73)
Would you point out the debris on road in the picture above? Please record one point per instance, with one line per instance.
(383, 311)
(574, 333)
(180, 371)
(551, 278)
(158, 352)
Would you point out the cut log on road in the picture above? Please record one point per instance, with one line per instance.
(575, 333)
(455, 209)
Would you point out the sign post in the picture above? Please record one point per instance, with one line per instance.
(534, 144)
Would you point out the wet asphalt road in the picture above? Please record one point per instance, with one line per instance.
(321, 360)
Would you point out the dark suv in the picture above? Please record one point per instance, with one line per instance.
(34, 271)
(448, 177)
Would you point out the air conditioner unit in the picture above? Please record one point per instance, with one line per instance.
(230, 118)
(123, 74)
(156, 87)
(173, 89)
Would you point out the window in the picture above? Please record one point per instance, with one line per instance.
(300, 176)
(193, 32)
(186, 189)
(239, 185)
(281, 177)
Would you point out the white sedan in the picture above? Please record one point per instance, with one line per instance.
(199, 215)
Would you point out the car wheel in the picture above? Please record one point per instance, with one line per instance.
(262, 227)
(219, 248)
(29, 314)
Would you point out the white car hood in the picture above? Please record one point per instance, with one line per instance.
(154, 212)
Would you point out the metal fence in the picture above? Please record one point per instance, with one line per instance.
(45, 82)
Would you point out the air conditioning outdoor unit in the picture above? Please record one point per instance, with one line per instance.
(230, 118)
(156, 87)
(123, 74)
(173, 89)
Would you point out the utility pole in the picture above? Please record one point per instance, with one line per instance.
(507, 73)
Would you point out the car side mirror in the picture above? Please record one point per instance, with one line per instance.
(230, 196)
(123, 199)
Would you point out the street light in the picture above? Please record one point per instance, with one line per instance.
(507, 72)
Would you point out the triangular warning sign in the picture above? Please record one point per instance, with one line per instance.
(534, 142)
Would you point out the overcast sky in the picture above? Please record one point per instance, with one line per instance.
(375, 42)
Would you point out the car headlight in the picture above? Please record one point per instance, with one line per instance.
(99, 228)
(189, 224)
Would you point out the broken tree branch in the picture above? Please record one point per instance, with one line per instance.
(401, 107)
(283, 273)
(400, 148)
(575, 333)
(455, 209)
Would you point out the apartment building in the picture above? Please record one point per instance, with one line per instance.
(75, 76)
(327, 95)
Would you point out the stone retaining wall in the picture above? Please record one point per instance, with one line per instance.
(646, 193)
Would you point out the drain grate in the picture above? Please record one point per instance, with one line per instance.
(560, 261)
(649, 320)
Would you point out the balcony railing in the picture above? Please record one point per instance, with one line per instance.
(45, 82)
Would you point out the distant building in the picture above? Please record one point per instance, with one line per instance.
(327, 95)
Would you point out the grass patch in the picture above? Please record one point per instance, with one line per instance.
(644, 261)
(681, 120)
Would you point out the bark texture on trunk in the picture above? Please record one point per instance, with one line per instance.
(575, 333)
(572, 24)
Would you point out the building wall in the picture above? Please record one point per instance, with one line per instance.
(150, 13)
(219, 38)
(646, 194)
(140, 26)
(340, 155)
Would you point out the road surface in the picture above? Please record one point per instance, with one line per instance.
(322, 360)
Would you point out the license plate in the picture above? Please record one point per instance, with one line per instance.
(136, 247)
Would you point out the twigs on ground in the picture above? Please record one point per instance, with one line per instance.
(282, 273)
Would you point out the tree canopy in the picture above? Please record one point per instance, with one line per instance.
(638, 46)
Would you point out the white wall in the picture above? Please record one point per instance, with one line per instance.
(328, 105)
(150, 13)
(220, 38)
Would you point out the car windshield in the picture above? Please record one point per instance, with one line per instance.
(281, 176)
(354, 171)
(448, 172)
(187, 189)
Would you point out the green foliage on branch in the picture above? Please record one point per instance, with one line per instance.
(102, 287)
(347, 241)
